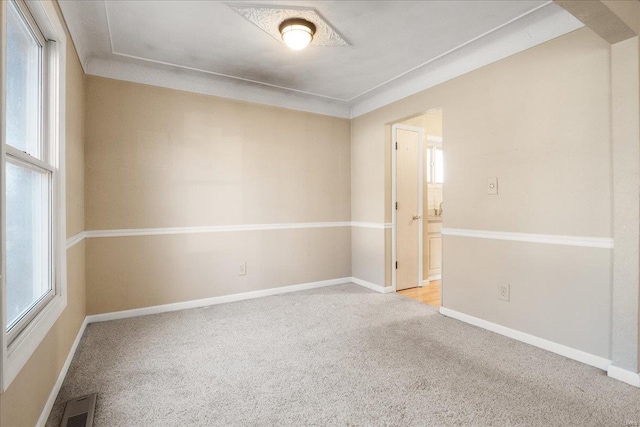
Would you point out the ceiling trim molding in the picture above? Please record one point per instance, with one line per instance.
(424, 64)
(199, 70)
(167, 76)
(543, 24)
(537, 26)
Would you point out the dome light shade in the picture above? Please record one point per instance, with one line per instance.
(297, 33)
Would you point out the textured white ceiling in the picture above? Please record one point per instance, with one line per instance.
(207, 46)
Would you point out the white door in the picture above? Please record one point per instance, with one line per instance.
(408, 206)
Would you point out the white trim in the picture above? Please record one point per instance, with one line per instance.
(534, 27)
(128, 69)
(551, 239)
(394, 155)
(631, 378)
(531, 29)
(28, 160)
(431, 279)
(213, 300)
(72, 241)
(212, 229)
(378, 225)
(21, 349)
(46, 411)
(468, 42)
(372, 286)
(16, 355)
(3, 158)
(596, 361)
(562, 350)
(89, 234)
(205, 302)
(229, 76)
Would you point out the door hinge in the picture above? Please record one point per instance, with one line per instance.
(396, 205)
(396, 265)
(396, 145)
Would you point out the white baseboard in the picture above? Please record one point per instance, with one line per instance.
(213, 301)
(589, 359)
(372, 286)
(562, 350)
(431, 278)
(629, 377)
(44, 415)
(184, 305)
(46, 411)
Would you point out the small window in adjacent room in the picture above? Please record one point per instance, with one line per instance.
(32, 224)
(439, 166)
(435, 165)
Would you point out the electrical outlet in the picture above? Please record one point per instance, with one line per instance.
(492, 186)
(504, 292)
(242, 271)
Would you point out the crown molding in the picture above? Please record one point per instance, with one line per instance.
(535, 27)
(531, 29)
(136, 70)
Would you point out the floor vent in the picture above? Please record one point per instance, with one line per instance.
(79, 412)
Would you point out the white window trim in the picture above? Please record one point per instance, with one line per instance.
(16, 355)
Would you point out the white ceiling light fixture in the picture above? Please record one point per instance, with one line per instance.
(269, 19)
(297, 33)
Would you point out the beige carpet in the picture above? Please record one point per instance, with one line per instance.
(337, 356)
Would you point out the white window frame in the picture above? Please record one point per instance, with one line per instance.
(433, 143)
(16, 350)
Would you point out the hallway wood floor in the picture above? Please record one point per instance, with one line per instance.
(426, 294)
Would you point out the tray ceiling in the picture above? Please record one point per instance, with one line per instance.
(213, 47)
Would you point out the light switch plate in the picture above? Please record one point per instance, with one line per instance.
(504, 292)
(492, 185)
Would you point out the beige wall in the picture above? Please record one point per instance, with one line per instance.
(132, 272)
(22, 403)
(560, 293)
(164, 158)
(540, 122)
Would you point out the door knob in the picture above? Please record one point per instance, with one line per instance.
(416, 217)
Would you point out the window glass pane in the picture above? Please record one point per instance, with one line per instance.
(28, 237)
(429, 165)
(23, 84)
(439, 166)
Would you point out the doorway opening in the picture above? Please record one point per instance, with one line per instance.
(417, 206)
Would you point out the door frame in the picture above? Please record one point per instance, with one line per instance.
(394, 180)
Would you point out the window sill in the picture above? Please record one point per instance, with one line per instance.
(28, 341)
